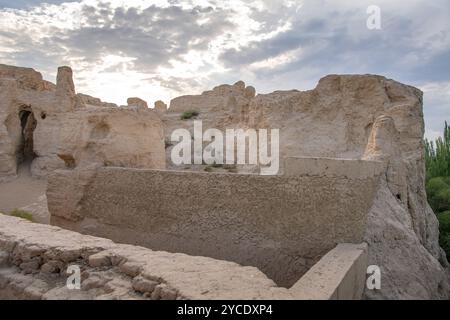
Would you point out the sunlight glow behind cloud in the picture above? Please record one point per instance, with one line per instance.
(160, 49)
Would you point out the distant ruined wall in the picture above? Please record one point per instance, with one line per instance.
(280, 224)
(72, 130)
(219, 108)
(104, 136)
(358, 117)
(355, 117)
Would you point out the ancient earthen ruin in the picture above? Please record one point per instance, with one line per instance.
(53, 128)
(350, 194)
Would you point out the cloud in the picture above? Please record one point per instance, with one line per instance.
(153, 36)
(437, 107)
(326, 37)
(23, 4)
(148, 39)
(163, 48)
(333, 36)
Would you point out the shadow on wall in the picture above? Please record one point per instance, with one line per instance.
(21, 126)
(25, 152)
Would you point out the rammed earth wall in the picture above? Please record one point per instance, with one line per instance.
(279, 224)
(34, 260)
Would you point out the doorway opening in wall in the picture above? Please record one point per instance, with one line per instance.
(28, 124)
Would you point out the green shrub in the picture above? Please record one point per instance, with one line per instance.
(444, 222)
(231, 168)
(443, 200)
(211, 167)
(189, 114)
(444, 229)
(437, 155)
(21, 214)
(435, 185)
(444, 241)
(438, 192)
(446, 180)
(437, 159)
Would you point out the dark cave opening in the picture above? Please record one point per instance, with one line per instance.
(28, 124)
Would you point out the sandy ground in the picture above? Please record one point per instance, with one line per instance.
(26, 193)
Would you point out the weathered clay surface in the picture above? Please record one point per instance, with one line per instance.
(160, 107)
(34, 259)
(137, 102)
(347, 117)
(70, 130)
(219, 108)
(96, 102)
(352, 117)
(339, 275)
(38, 210)
(280, 224)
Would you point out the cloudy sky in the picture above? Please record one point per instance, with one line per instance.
(160, 49)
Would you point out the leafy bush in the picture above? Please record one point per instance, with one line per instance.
(189, 114)
(443, 200)
(231, 168)
(21, 214)
(444, 229)
(444, 241)
(437, 155)
(444, 221)
(438, 194)
(436, 185)
(437, 159)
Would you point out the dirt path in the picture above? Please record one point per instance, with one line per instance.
(25, 191)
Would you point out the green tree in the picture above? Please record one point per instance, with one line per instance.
(444, 229)
(438, 191)
(437, 159)
(437, 155)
